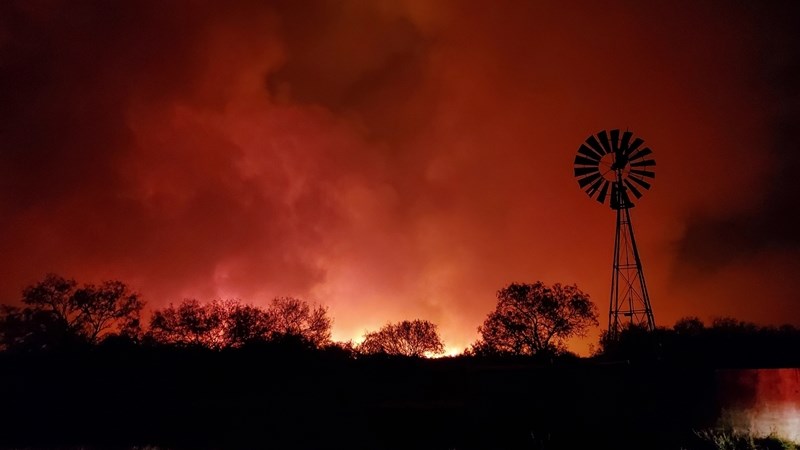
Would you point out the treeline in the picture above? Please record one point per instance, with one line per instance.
(58, 314)
(725, 342)
(81, 368)
(529, 320)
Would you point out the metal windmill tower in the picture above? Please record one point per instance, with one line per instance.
(609, 168)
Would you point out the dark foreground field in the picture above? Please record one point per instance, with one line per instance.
(276, 398)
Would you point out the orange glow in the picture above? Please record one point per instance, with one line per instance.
(398, 159)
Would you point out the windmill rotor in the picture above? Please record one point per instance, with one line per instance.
(610, 166)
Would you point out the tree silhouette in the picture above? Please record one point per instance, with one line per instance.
(230, 323)
(633, 342)
(188, 324)
(726, 342)
(294, 317)
(245, 324)
(34, 329)
(58, 313)
(53, 298)
(534, 318)
(407, 338)
(689, 326)
(104, 307)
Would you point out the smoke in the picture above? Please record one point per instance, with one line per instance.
(769, 225)
(391, 159)
(208, 150)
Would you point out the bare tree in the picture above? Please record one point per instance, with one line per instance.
(55, 295)
(112, 305)
(58, 313)
(294, 317)
(407, 338)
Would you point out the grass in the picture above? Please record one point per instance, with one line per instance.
(731, 440)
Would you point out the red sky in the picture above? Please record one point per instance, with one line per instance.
(398, 159)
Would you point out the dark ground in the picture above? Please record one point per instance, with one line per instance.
(268, 398)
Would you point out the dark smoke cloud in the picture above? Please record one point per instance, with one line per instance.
(770, 225)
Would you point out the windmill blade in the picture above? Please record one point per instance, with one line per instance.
(641, 153)
(644, 173)
(581, 171)
(603, 136)
(585, 161)
(602, 197)
(593, 188)
(592, 141)
(634, 180)
(615, 141)
(636, 143)
(589, 153)
(633, 189)
(641, 183)
(626, 141)
(586, 180)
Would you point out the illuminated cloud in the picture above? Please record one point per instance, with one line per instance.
(394, 159)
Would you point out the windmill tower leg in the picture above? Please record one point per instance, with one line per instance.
(614, 307)
(643, 309)
(630, 301)
(615, 168)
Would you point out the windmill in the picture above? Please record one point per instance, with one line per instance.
(610, 168)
